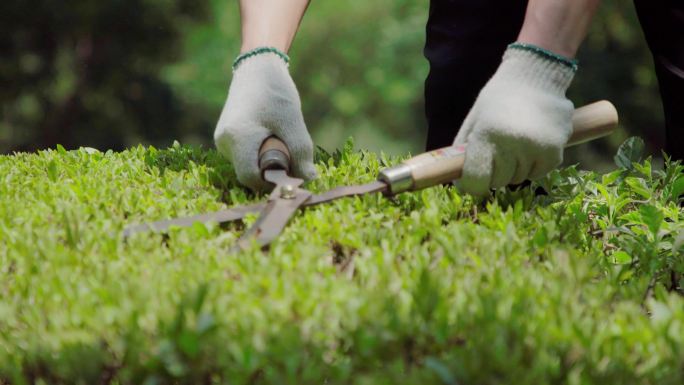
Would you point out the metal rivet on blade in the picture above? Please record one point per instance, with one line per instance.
(287, 191)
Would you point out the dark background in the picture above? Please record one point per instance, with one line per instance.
(111, 74)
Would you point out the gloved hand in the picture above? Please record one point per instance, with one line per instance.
(520, 122)
(263, 101)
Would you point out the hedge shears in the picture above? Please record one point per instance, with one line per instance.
(425, 170)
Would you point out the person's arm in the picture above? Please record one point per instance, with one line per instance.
(263, 100)
(270, 23)
(558, 25)
(521, 120)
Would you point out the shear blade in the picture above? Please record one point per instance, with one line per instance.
(227, 215)
(237, 213)
(273, 219)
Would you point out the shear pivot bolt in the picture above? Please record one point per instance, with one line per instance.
(287, 191)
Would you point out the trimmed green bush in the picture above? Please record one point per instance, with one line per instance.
(582, 285)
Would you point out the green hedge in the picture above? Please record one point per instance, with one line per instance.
(579, 286)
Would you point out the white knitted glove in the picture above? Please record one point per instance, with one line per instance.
(520, 122)
(263, 101)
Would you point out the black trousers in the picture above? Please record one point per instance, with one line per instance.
(466, 39)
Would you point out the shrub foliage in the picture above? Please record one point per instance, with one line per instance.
(581, 284)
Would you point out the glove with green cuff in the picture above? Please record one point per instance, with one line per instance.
(263, 101)
(520, 122)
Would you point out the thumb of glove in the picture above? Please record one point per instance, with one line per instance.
(242, 148)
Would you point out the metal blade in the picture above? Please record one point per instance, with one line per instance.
(278, 211)
(347, 191)
(221, 216)
(237, 213)
(280, 178)
(273, 219)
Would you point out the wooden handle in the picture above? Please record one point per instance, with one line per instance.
(274, 155)
(436, 167)
(446, 164)
(593, 121)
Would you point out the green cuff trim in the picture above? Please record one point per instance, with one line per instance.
(571, 63)
(259, 51)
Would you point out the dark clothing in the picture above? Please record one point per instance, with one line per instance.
(465, 41)
(464, 44)
(663, 25)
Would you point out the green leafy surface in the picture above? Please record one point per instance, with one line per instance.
(579, 286)
(629, 152)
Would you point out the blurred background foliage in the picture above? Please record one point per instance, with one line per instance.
(115, 73)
